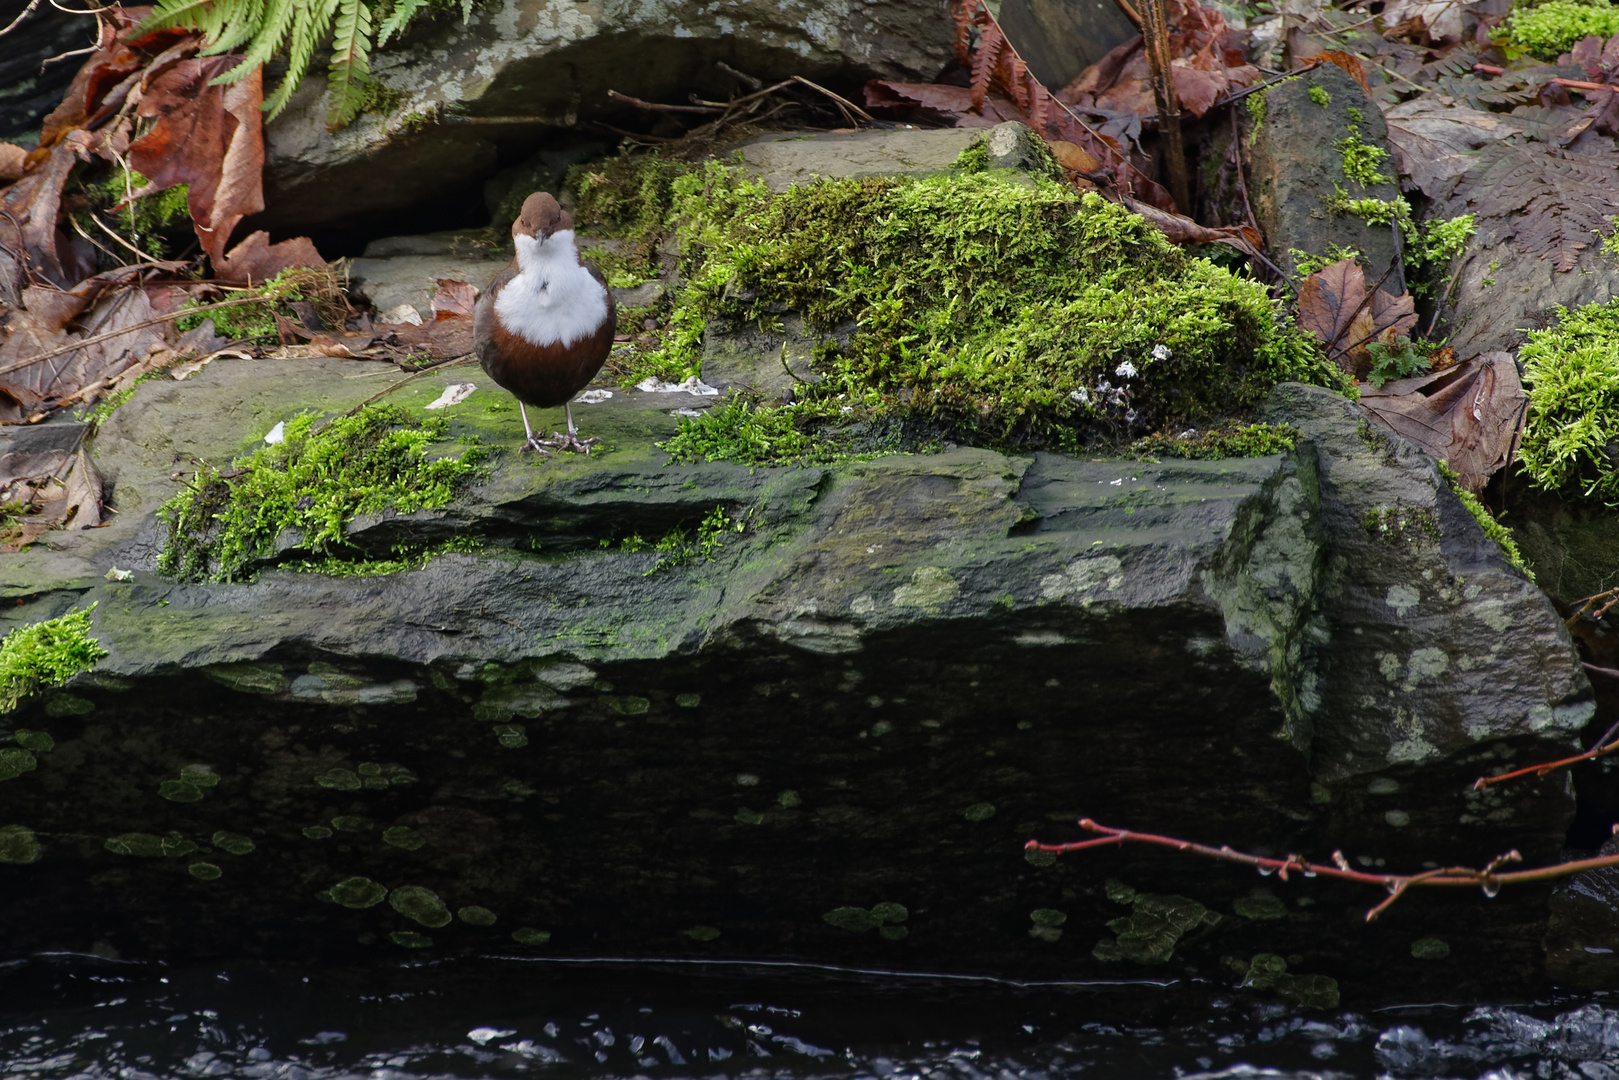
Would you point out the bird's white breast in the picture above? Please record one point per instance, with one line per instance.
(553, 298)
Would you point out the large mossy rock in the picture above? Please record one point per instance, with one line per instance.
(865, 702)
(541, 70)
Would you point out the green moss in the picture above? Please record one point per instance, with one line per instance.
(1492, 528)
(473, 915)
(68, 705)
(1371, 211)
(1552, 28)
(204, 871)
(356, 892)
(1259, 907)
(1362, 161)
(688, 701)
(410, 558)
(680, 545)
(1230, 441)
(527, 935)
(410, 939)
(377, 461)
(40, 742)
(702, 933)
(853, 919)
(1306, 264)
(1257, 108)
(1047, 917)
(257, 320)
(402, 836)
(789, 799)
(1571, 371)
(1402, 524)
(979, 811)
(232, 843)
(1036, 857)
(1429, 948)
(316, 832)
(150, 222)
(18, 845)
(1150, 933)
(339, 780)
(422, 905)
(511, 736)
(890, 912)
(248, 678)
(45, 654)
(13, 763)
(1267, 971)
(972, 306)
(1320, 96)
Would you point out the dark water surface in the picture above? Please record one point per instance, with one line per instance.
(81, 1016)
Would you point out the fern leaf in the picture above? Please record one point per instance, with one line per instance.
(990, 43)
(964, 15)
(402, 13)
(308, 27)
(466, 11)
(240, 21)
(273, 29)
(199, 15)
(351, 63)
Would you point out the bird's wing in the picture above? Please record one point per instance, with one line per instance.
(483, 313)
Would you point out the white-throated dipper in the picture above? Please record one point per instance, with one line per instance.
(544, 326)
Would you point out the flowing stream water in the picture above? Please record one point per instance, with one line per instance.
(84, 1016)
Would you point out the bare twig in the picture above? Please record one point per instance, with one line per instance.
(1129, 12)
(1602, 748)
(27, 11)
(655, 106)
(1487, 879)
(839, 98)
(1155, 35)
(1610, 595)
(741, 76)
(454, 361)
(96, 340)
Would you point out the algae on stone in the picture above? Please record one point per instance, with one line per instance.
(1150, 933)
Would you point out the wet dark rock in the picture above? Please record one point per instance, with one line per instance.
(1059, 39)
(1295, 166)
(1498, 292)
(901, 671)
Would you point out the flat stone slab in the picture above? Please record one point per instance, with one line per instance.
(788, 159)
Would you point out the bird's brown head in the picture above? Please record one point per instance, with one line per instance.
(541, 217)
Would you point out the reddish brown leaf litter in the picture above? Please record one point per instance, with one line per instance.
(1336, 307)
(1466, 415)
(73, 335)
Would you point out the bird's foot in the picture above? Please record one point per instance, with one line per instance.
(567, 440)
(536, 444)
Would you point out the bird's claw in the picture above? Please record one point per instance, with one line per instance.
(565, 440)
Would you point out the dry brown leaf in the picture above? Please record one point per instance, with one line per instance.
(256, 260)
(52, 485)
(12, 159)
(936, 104)
(1349, 62)
(1334, 308)
(1073, 158)
(454, 299)
(440, 339)
(1466, 415)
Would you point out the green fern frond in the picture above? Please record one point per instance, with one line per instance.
(239, 22)
(313, 17)
(401, 14)
(278, 20)
(207, 17)
(351, 63)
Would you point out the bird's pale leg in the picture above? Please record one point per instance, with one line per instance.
(532, 442)
(570, 440)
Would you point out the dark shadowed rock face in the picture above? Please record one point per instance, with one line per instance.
(900, 672)
(546, 66)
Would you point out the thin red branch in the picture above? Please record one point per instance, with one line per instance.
(1572, 84)
(1602, 748)
(1396, 884)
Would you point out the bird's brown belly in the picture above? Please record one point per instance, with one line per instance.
(544, 376)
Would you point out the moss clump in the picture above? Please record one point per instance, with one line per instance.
(1362, 160)
(152, 222)
(527, 935)
(1552, 28)
(1492, 528)
(314, 483)
(355, 892)
(1150, 933)
(1229, 441)
(46, 654)
(1571, 433)
(1267, 971)
(1320, 96)
(318, 285)
(1430, 948)
(998, 310)
(1259, 907)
